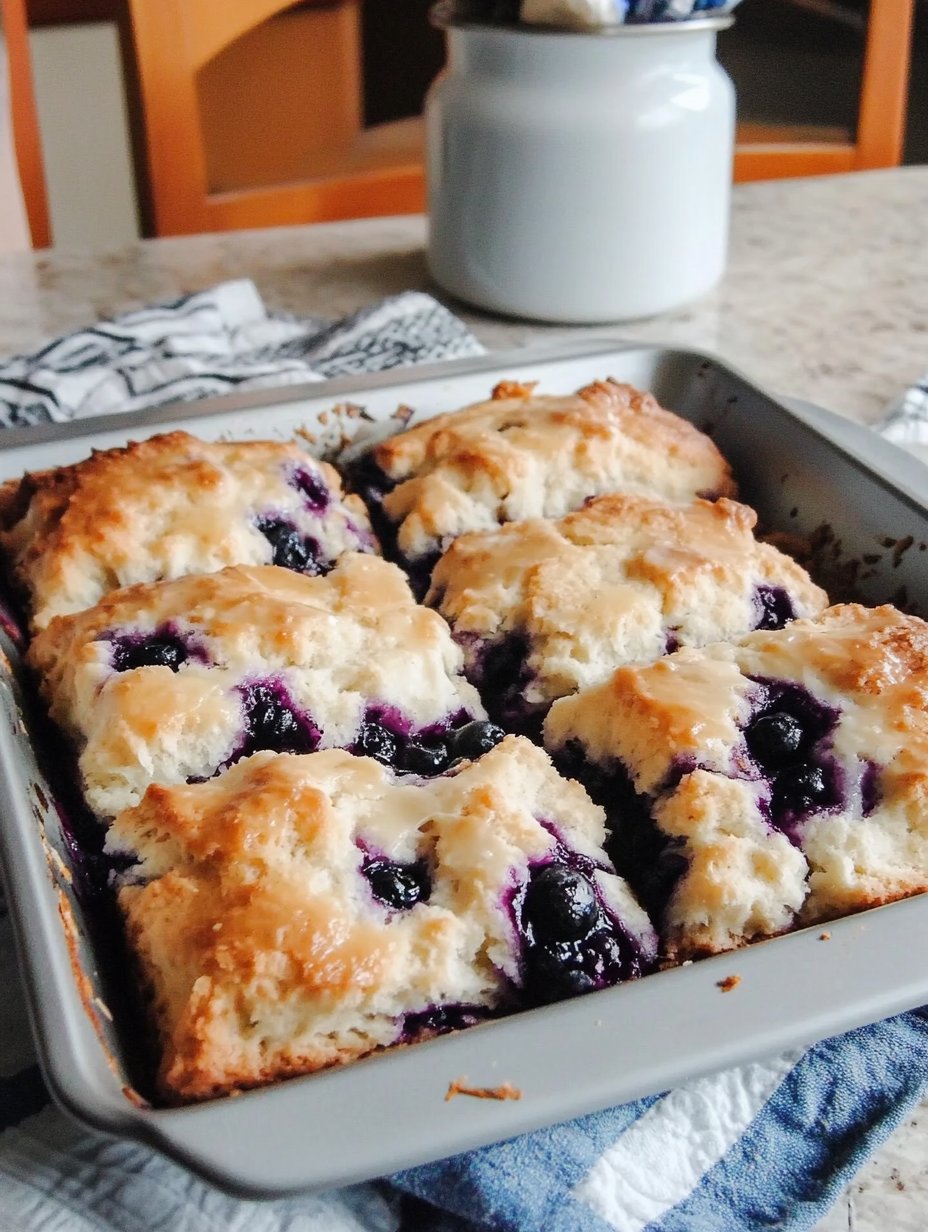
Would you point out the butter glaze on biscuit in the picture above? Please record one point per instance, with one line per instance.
(266, 952)
(521, 455)
(166, 682)
(544, 608)
(169, 506)
(786, 776)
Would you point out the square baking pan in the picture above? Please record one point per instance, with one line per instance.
(807, 472)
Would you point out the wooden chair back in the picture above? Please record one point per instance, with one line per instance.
(207, 161)
(25, 123)
(765, 153)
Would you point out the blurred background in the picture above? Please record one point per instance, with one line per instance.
(794, 63)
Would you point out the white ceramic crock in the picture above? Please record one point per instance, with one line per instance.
(579, 177)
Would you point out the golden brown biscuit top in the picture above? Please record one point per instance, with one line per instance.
(612, 583)
(573, 573)
(328, 648)
(255, 615)
(272, 808)
(520, 456)
(266, 951)
(161, 508)
(870, 664)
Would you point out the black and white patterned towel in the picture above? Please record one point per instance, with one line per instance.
(213, 342)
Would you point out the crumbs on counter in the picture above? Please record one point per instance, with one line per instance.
(729, 982)
(824, 936)
(461, 1086)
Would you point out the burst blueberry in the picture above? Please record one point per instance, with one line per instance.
(474, 739)
(425, 760)
(774, 607)
(163, 650)
(290, 550)
(560, 904)
(399, 886)
(774, 738)
(270, 724)
(557, 970)
(313, 487)
(801, 788)
(378, 742)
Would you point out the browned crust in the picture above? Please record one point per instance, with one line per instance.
(96, 509)
(595, 413)
(461, 1086)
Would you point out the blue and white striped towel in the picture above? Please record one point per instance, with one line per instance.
(765, 1146)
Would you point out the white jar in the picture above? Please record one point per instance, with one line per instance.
(579, 177)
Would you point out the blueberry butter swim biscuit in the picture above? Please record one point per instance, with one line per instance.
(301, 911)
(521, 456)
(544, 608)
(170, 506)
(755, 787)
(172, 681)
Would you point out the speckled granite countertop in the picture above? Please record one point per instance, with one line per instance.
(826, 295)
(826, 298)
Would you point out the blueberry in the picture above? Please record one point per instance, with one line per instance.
(774, 738)
(272, 725)
(425, 760)
(474, 739)
(313, 487)
(157, 651)
(774, 607)
(400, 886)
(558, 970)
(800, 788)
(871, 792)
(437, 1019)
(289, 549)
(560, 904)
(377, 742)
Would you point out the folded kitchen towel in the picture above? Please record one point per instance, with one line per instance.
(765, 1145)
(214, 342)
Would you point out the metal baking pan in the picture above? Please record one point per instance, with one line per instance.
(807, 472)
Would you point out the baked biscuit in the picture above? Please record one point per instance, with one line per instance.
(301, 911)
(173, 681)
(544, 608)
(521, 456)
(755, 787)
(170, 506)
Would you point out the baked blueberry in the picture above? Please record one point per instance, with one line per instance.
(158, 650)
(774, 738)
(400, 886)
(557, 970)
(425, 760)
(560, 904)
(271, 724)
(474, 739)
(801, 788)
(290, 549)
(871, 792)
(774, 607)
(378, 742)
(314, 488)
(438, 1019)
